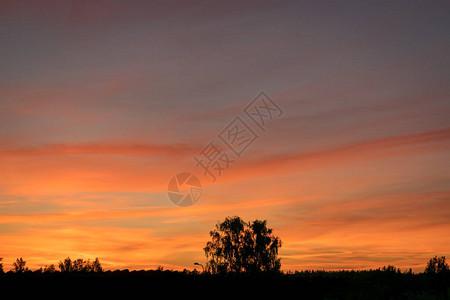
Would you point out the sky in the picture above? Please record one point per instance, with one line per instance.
(103, 102)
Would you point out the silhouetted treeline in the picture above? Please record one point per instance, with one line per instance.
(66, 266)
(387, 282)
(241, 262)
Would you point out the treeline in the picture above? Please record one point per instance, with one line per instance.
(388, 282)
(383, 283)
(66, 266)
(435, 266)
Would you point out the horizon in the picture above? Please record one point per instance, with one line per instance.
(104, 105)
(162, 268)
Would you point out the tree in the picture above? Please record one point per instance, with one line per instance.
(96, 266)
(437, 265)
(19, 266)
(80, 265)
(66, 265)
(390, 269)
(50, 269)
(1, 265)
(238, 246)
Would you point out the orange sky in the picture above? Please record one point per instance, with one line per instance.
(101, 103)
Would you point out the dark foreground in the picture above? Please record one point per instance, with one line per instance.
(304, 285)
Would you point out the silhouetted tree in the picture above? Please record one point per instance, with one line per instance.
(19, 266)
(80, 265)
(96, 266)
(238, 246)
(50, 269)
(437, 265)
(66, 265)
(390, 268)
(1, 265)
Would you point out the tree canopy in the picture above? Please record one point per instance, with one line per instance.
(437, 265)
(19, 266)
(239, 246)
(79, 265)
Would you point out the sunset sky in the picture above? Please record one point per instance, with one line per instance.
(103, 102)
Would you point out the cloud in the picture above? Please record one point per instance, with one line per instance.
(102, 149)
